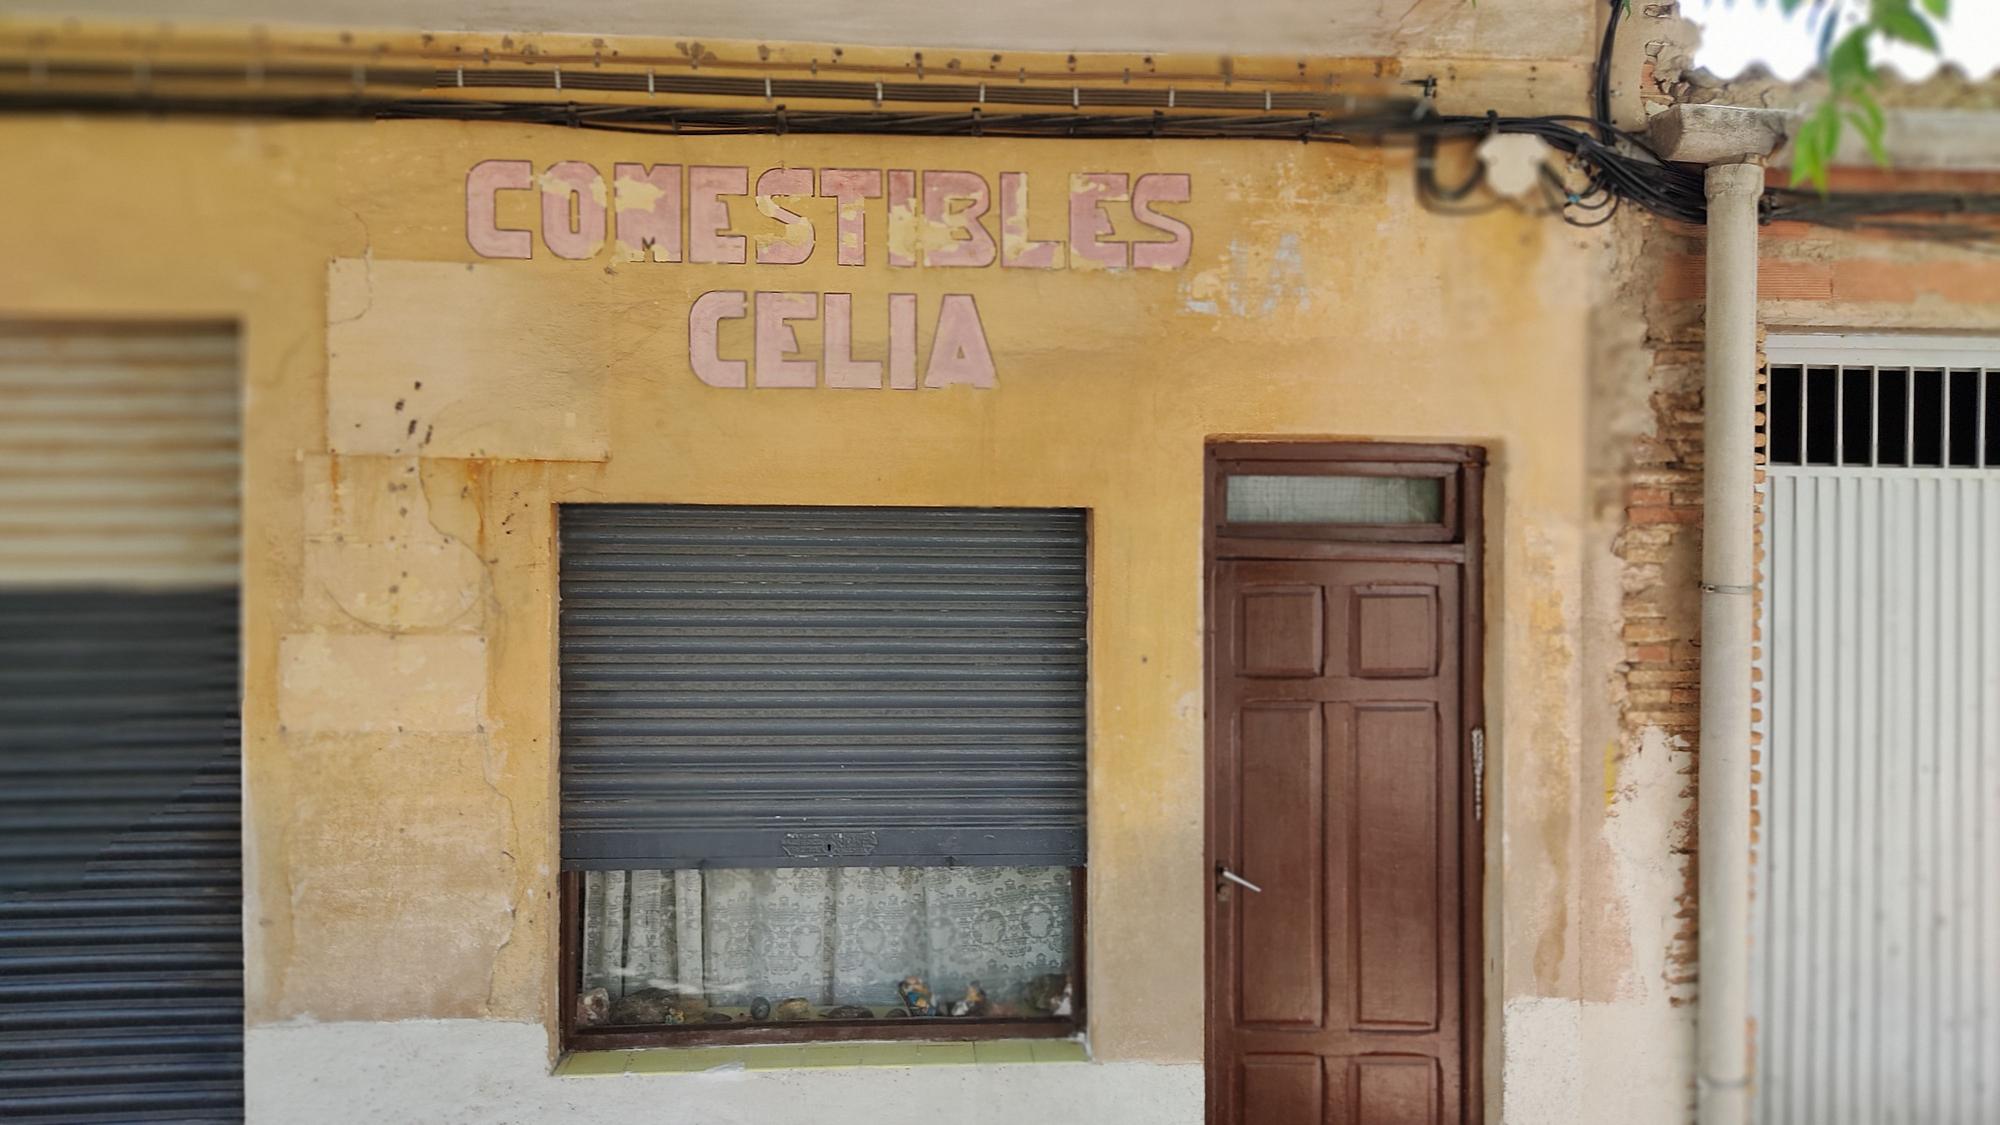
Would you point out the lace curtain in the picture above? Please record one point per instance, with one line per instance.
(841, 935)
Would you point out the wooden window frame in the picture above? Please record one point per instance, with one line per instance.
(935, 1029)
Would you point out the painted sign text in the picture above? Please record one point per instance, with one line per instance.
(929, 219)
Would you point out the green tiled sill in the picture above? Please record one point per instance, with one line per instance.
(693, 1060)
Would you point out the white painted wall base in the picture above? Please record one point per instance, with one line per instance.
(475, 1072)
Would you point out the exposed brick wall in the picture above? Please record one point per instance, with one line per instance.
(1660, 547)
(1662, 531)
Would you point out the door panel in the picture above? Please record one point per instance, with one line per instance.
(1338, 992)
(1387, 1090)
(1395, 632)
(1280, 634)
(1281, 1088)
(1281, 801)
(1394, 915)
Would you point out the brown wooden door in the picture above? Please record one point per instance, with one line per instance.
(1339, 992)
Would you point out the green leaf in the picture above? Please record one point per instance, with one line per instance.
(1848, 66)
(1812, 149)
(1899, 22)
(1871, 110)
(1808, 166)
(1873, 136)
(1790, 6)
(1938, 8)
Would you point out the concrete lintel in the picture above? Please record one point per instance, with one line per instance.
(1717, 134)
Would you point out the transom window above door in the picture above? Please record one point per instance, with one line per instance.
(822, 772)
(1289, 491)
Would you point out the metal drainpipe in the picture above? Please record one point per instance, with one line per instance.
(1729, 400)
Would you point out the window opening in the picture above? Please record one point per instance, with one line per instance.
(822, 772)
(1280, 498)
(1876, 416)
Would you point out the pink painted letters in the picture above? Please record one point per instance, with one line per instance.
(573, 210)
(1088, 192)
(904, 222)
(959, 353)
(848, 187)
(647, 203)
(776, 340)
(796, 244)
(842, 369)
(932, 218)
(903, 341)
(482, 224)
(953, 205)
(704, 342)
(1161, 187)
(1016, 248)
(708, 215)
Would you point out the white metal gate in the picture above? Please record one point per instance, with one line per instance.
(1876, 972)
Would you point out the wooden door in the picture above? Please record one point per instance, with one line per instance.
(1342, 991)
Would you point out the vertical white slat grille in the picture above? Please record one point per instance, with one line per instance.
(118, 455)
(1876, 981)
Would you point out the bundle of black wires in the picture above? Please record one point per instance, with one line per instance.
(1606, 168)
(1619, 167)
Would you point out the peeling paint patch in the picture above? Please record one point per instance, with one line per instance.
(1647, 808)
(1252, 280)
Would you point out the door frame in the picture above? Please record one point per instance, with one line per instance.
(1460, 540)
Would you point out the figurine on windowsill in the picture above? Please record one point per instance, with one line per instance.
(916, 994)
(974, 1003)
(1048, 995)
(649, 1006)
(593, 1007)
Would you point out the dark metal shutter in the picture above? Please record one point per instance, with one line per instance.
(788, 686)
(121, 959)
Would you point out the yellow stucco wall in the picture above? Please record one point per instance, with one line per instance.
(399, 750)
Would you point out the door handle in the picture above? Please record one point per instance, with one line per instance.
(1222, 872)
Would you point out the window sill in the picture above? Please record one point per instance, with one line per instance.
(697, 1060)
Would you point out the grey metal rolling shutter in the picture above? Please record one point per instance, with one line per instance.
(121, 954)
(121, 962)
(788, 686)
(118, 456)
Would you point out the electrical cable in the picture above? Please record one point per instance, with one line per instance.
(1621, 167)
(1617, 166)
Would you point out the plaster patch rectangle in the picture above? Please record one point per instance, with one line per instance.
(436, 359)
(415, 806)
(381, 682)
